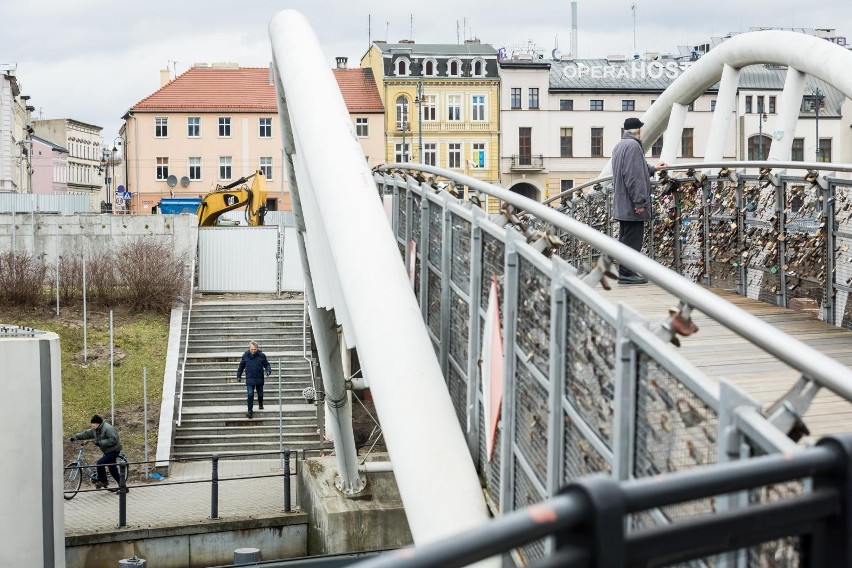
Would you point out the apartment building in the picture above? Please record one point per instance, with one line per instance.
(15, 133)
(442, 103)
(85, 172)
(216, 123)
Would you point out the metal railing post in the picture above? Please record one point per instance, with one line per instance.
(287, 507)
(829, 212)
(706, 211)
(214, 487)
(122, 501)
(830, 542)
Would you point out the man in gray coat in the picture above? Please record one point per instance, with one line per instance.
(632, 201)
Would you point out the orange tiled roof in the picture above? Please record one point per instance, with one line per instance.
(247, 89)
(359, 90)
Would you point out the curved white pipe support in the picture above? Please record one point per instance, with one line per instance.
(725, 111)
(674, 132)
(788, 116)
(349, 242)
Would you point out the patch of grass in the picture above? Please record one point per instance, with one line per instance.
(140, 341)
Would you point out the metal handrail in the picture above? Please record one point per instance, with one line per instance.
(827, 166)
(186, 338)
(817, 366)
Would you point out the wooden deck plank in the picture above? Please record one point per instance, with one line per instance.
(722, 354)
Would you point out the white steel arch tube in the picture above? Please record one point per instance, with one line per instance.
(351, 245)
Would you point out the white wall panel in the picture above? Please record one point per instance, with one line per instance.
(238, 259)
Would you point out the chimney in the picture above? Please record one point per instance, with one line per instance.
(165, 77)
(342, 62)
(474, 41)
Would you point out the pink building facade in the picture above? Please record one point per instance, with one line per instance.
(50, 167)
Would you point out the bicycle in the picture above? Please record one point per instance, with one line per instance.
(77, 469)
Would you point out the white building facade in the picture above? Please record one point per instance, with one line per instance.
(85, 157)
(15, 132)
(561, 118)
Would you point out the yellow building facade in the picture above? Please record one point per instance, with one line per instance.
(442, 104)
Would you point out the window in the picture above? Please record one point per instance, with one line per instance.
(686, 149)
(748, 104)
(430, 108)
(525, 145)
(430, 154)
(771, 105)
(712, 105)
(597, 142)
(401, 112)
(224, 167)
(515, 101)
(478, 68)
(361, 127)
(758, 147)
(455, 68)
(760, 105)
(266, 167)
(162, 168)
(195, 169)
(478, 107)
(565, 185)
(533, 97)
(161, 127)
(264, 127)
(596, 104)
(399, 155)
(225, 129)
(429, 68)
(797, 152)
(402, 66)
(454, 107)
(454, 155)
(824, 150)
(628, 104)
(478, 155)
(566, 142)
(566, 104)
(657, 148)
(193, 126)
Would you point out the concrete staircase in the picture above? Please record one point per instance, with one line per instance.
(214, 405)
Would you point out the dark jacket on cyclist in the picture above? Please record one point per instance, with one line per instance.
(105, 437)
(254, 364)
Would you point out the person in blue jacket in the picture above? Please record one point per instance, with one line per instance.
(255, 364)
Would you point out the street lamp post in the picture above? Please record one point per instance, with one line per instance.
(818, 96)
(760, 121)
(115, 144)
(420, 120)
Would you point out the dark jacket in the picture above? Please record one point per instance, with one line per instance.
(105, 437)
(631, 180)
(254, 366)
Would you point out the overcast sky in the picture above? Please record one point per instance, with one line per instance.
(93, 60)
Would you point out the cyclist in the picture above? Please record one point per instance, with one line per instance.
(106, 438)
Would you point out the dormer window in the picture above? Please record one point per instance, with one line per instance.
(402, 66)
(454, 68)
(430, 68)
(478, 68)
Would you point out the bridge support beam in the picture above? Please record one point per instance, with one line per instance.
(674, 132)
(788, 116)
(726, 106)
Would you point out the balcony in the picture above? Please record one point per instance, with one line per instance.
(527, 162)
(429, 126)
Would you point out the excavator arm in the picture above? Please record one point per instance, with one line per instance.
(234, 196)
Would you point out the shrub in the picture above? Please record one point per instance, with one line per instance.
(101, 279)
(150, 275)
(71, 279)
(23, 277)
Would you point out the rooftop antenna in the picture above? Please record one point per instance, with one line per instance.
(633, 7)
(387, 25)
(411, 27)
(574, 29)
(173, 63)
(369, 30)
(458, 37)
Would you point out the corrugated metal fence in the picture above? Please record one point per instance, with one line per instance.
(28, 202)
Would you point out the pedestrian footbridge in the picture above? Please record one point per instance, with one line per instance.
(506, 364)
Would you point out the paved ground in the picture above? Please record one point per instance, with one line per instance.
(157, 504)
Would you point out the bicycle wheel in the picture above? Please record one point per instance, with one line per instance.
(121, 461)
(73, 478)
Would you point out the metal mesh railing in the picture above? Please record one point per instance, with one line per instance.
(531, 417)
(460, 269)
(459, 329)
(532, 330)
(590, 368)
(433, 315)
(490, 470)
(526, 494)
(457, 385)
(436, 234)
(493, 266)
(579, 455)
(401, 205)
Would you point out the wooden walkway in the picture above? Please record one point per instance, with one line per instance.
(720, 353)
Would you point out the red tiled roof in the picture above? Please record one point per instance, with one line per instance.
(359, 90)
(247, 89)
(215, 89)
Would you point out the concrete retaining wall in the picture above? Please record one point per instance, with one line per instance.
(209, 544)
(42, 233)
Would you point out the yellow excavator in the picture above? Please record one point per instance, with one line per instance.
(233, 196)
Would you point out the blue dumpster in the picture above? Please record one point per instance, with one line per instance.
(176, 205)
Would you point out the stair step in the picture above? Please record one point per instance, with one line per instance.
(225, 447)
(238, 453)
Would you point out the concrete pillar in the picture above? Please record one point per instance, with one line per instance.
(243, 555)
